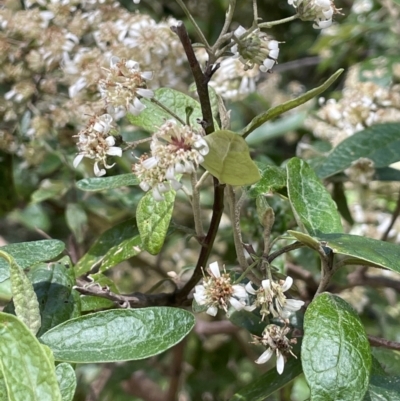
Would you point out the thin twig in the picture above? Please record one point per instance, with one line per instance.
(176, 371)
(278, 22)
(288, 248)
(223, 34)
(198, 223)
(395, 214)
(382, 342)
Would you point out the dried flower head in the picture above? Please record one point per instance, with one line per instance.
(175, 150)
(275, 338)
(124, 86)
(255, 48)
(319, 11)
(361, 171)
(95, 142)
(217, 292)
(270, 298)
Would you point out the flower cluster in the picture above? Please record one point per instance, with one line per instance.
(319, 11)
(217, 291)
(96, 142)
(270, 298)
(255, 48)
(124, 86)
(175, 150)
(274, 337)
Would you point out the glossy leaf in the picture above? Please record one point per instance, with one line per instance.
(53, 287)
(229, 159)
(289, 105)
(90, 303)
(108, 240)
(66, 380)
(380, 253)
(76, 220)
(269, 382)
(379, 143)
(272, 179)
(24, 298)
(335, 352)
(154, 116)
(27, 254)
(383, 388)
(27, 370)
(118, 335)
(102, 183)
(313, 207)
(153, 218)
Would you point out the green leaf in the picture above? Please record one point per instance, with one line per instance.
(291, 104)
(26, 254)
(229, 159)
(3, 388)
(66, 380)
(379, 143)
(76, 220)
(383, 388)
(335, 352)
(49, 189)
(154, 116)
(269, 382)
(102, 183)
(312, 205)
(249, 321)
(153, 218)
(53, 287)
(27, 370)
(90, 303)
(272, 179)
(380, 253)
(24, 297)
(387, 174)
(118, 335)
(111, 238)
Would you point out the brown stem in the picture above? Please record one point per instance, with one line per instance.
(176, 371)
(393, 220)
(279, 252)
(382, 342)
(139, 385)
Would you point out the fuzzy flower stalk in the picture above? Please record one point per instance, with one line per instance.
(175, 150)
(255, 48)
(218, 292)
(96, 142)
(319, 11)
(270, 298)
(274, 337)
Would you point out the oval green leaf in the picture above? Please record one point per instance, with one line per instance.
(24, 297)
(66, 380)
(229, 159)
(26, 254)
(272, 179)
(291, 104)
(379, 143)
(153, 218)
(380, 253)
(27, 370)
(383, 388)
(312, 205)
(154, 116)
(335, 351)
(118, 335)
(107, 243)
(103, 183)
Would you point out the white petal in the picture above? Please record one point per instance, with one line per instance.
(110, 140)
(212, 311)
(115, 151)
(179, 168)
(239, 291)
(274, 53)
(266, 284)
(250, 308)
(144, 186)
(170, 173)
(239, 31)
(236, 303)
(268, 64)
(176, 185)
(280, 363)
(147, 75)
(215, 269)
(132, 65)
(156, 195)
(150, 163)
(147, 93)
(265, 356)
(293, 304)
(98, 172)
(137, 107)
(287, 284)
(250, 289)
(113, 61)
(164, 187)
(273, 44)
(77, 160)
